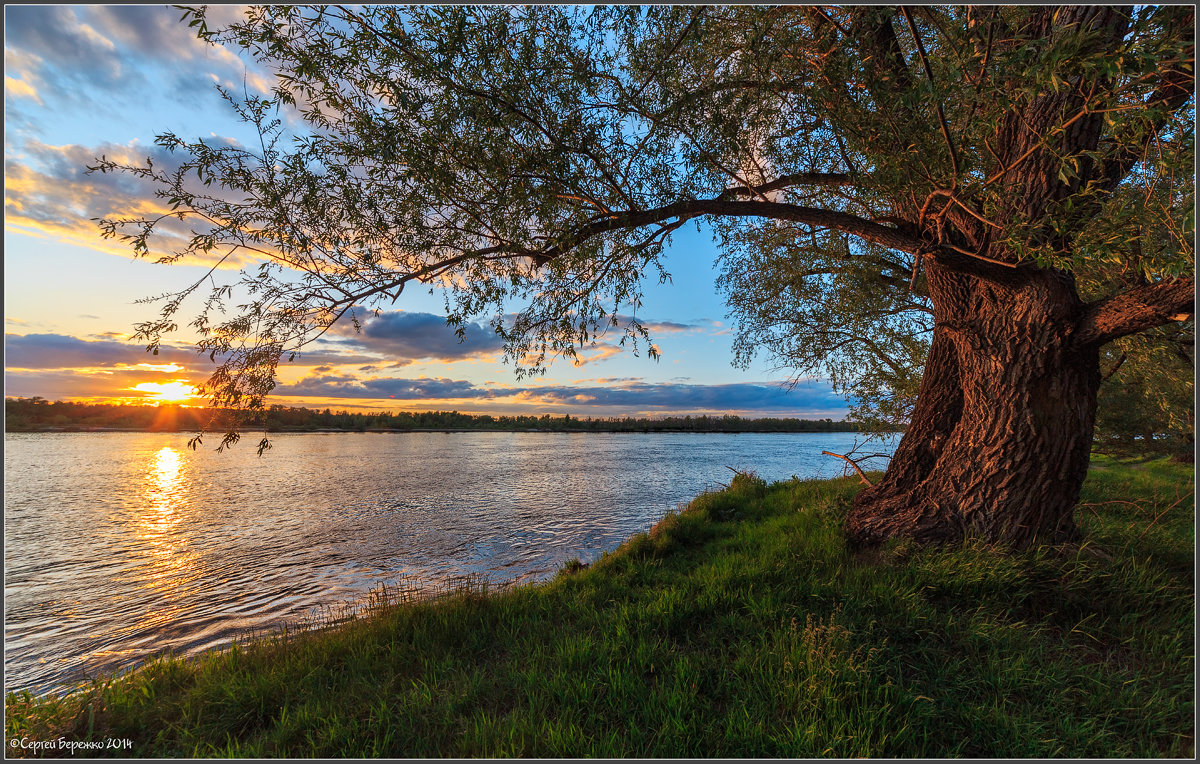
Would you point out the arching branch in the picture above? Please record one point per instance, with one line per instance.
(941, 115)
(947, 257)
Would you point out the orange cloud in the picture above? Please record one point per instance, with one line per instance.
(60, 204)
(20, 89)
(168, 368)
(601, 352)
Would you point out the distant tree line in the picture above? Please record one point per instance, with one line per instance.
(39, 414)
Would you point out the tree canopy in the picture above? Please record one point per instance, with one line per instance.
(538, 158)
(1021, 177)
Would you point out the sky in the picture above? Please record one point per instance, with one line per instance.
(86, 81)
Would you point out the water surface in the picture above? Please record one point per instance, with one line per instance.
(122, 545)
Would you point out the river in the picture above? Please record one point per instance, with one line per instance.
(119, 546)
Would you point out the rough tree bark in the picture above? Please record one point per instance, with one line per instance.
(1000, 438)
(1001, 435)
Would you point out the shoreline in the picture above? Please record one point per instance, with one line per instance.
(704, 638)
(83, 429)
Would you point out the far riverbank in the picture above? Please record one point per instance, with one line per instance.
(40, 415)
(300, 431)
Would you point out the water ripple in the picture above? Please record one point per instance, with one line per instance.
(121, 546)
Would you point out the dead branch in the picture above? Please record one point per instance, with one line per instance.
(853, 464)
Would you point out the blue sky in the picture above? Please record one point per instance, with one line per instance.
(81, 81)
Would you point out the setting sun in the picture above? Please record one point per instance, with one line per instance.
(168, 392)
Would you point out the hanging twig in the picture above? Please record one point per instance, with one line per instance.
(937, 103)
(852, 463)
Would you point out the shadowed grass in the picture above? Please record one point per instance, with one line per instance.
(740, 626)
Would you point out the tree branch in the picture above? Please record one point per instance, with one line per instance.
(683, 36)
(1137, 309)
(877, 38)
(1114, 369)
(948, 257)
(872, 347)
(691, 96)
(829, 18)
(853, 464)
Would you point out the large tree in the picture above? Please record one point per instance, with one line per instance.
(883, 180)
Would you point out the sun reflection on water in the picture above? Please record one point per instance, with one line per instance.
(163, 484)
(159, 531)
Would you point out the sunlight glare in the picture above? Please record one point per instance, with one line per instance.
(168, 392)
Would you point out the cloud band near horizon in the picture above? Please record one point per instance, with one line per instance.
(809, 398)
(60, 366)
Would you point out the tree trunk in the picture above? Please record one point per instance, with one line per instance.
(1000, 437)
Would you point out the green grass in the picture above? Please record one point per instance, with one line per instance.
(739, 627)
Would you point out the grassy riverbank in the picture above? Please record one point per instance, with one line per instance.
(741, 627)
